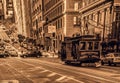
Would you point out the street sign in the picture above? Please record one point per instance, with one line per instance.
(51, 29)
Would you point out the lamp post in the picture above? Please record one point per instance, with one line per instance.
(104, 25)
(42, 32)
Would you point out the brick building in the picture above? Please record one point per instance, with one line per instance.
(63, 15)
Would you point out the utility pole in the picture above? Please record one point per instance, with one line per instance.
(104, 25)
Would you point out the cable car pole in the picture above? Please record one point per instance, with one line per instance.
(104, 25)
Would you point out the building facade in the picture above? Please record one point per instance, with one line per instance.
(28, 17)
(61, 21)
(37, 21)
(1, 11)
(100, 17)
(8, 10)
(18, 16)
(22, 16)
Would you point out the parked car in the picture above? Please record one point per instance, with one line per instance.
(35, 53)
(111, 58)
(12, 53)
(3, 53)
(23, 53)
(32, 53)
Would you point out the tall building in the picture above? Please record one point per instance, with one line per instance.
(28, 17)
(37, 21)
(100, 17)
(22, 11)
(1, 11)
(8, 10)
(18, 16)
(61, 21)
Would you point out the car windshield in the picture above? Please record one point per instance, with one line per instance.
(117, 55)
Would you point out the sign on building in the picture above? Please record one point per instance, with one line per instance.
(48, 35)
(51, 29)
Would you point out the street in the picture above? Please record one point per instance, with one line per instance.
(49, 70)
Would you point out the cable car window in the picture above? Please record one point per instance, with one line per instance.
(82, 45)
(69, 47)
(90, 45)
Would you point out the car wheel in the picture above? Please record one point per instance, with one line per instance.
(67, 62)
(80, 63)
(102, 63)
(114, 64)
(109, 63)
(24, 56)
(4, 56)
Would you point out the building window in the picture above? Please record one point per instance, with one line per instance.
(76, 7)
(118, 16)
(76, 21)
(100, 17)
(61, 23)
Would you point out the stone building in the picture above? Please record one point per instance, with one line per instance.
(61, 21)
(100, 17)
(22, 13)
(37, 21)
(8, 10)
(28, 17)
(1, 11)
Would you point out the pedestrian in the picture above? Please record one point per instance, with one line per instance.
(59, 54)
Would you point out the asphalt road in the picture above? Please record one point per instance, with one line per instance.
(45, 70)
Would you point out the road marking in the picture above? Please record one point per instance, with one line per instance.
(44, 71)
(33, 69)
(76, 80)
(28, 76)
(52, 74)
(9, 81)
(61, 78)
(85, 74)
(79, 81)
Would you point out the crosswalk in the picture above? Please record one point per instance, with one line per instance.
(39, 74)
(46, 74)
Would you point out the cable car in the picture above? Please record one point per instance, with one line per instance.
(82, 49)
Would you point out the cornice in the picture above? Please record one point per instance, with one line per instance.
(92, 5)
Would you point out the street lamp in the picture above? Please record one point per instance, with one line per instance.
(42, 32)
